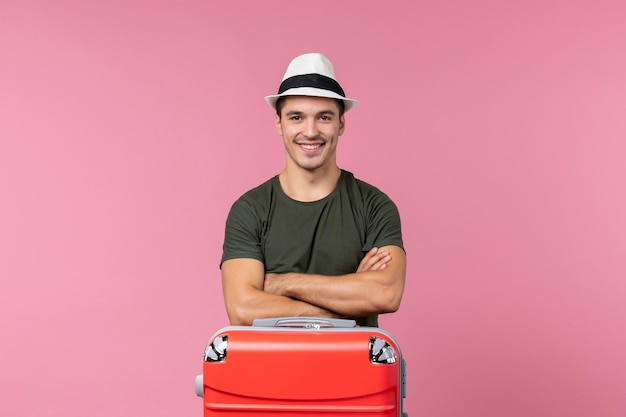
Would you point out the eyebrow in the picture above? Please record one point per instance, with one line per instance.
(320, 113)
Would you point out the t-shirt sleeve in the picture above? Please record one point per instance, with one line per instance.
(242, 237)
(383, 222)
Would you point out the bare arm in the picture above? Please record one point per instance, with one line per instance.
(374, 290)
(246, 300)
(242, 283)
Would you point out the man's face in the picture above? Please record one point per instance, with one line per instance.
(310, 127)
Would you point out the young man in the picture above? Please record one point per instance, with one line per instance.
(313, 240)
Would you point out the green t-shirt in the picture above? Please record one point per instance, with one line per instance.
(326, 237)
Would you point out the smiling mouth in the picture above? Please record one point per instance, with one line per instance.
(310, 147)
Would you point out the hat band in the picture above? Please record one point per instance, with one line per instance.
(311, 80)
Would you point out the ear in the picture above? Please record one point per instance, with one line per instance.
(342, 124)
(279, 126)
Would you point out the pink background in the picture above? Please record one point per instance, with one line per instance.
(129, 127)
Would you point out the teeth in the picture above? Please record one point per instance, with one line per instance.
(310, 147)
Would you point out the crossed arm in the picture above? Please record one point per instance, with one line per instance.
(375, 288)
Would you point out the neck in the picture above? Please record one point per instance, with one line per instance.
(307, 186)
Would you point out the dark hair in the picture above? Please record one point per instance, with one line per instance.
(281, 100)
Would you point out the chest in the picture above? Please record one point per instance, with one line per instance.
(322, 238)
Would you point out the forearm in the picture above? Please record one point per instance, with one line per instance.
(242, 283)
(352, 295)
(375, 288)
(259, 304)
(370, 291)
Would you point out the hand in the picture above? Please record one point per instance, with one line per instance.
(374, 260)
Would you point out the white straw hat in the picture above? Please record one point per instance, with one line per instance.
(310, 75)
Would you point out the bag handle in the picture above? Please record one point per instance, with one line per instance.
(304, 322)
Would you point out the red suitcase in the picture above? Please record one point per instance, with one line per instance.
(302, 366)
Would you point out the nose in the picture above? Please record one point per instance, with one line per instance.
(310, 129)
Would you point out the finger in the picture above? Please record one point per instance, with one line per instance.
(366, 262)
(374, 262)
(381, 263)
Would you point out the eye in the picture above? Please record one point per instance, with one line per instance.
(294, 118)
(325, 117)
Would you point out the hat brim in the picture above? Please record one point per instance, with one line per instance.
(311, 92)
